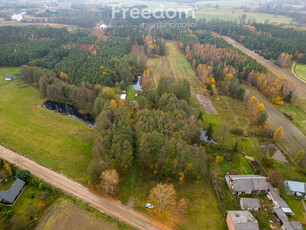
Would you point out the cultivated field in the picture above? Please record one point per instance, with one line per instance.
(232, 15)
(66, 215)
(57, 141)
(293, 139)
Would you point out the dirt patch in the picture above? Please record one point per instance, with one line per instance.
(66, 215)
(256, 165)
(138, 51)
(206, 104)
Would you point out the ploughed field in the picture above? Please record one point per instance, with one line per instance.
(50, 138)
(66, 215)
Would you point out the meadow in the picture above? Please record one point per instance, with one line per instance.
(54, 140)
(300, 70)
(232, 15)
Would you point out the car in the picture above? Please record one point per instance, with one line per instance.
(148, 205)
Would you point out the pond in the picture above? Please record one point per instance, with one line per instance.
(137, 83)
(204, 137)
(273, 151)
(70, 111)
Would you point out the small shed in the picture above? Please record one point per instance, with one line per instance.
(249, 204)
(9, 77)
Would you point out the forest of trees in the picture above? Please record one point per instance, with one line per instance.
(101, 58)
(226, 68)
(268, 40)
(162, 133)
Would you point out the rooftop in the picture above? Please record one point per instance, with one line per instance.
(282, 216)
(248, 182)
(13, 192)
(297, 225)
(250, 203)
(296, 186)
(275, 195)
(243, 220)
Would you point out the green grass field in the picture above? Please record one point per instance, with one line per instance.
(4, 71)
(200, 199)
(227, 14)
(298, 115)
(130, 93)
(54, 140)
(296, 206)
(300, 70)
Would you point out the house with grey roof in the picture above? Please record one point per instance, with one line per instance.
(241, 220)
(278, 202)
(283, 219)
(10, 196)
(296, 188)
(247, 184)
(296, 225)
(249, 204)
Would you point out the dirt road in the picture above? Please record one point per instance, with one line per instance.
(301, 85)
(293, 71)
(79, 191)
(293, 138)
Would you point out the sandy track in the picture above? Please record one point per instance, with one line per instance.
(114, 209)
(301, 85)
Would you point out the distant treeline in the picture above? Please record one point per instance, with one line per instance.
(268, 40)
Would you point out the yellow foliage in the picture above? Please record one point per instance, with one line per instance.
(7, 167)
(278, 134)
(113, 103)
(278, 101)
(219, 159)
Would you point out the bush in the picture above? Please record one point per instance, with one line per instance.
(23, 175)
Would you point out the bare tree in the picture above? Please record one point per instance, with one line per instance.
(163, 198)
(109, 181)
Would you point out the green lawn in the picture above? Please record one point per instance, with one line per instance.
(300, 69)
(4, 71)
(296, 206)
(226, 13)
(299, 116)
(130, 93)
(200, 199)
(54, 140)
(186, 65)
(234, 113)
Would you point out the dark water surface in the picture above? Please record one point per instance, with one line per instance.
(71, 111)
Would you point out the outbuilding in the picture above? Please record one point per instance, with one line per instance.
(10, 196)
(249, 204)
(9, 77)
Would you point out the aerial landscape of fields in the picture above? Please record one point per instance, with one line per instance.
(152, 115)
